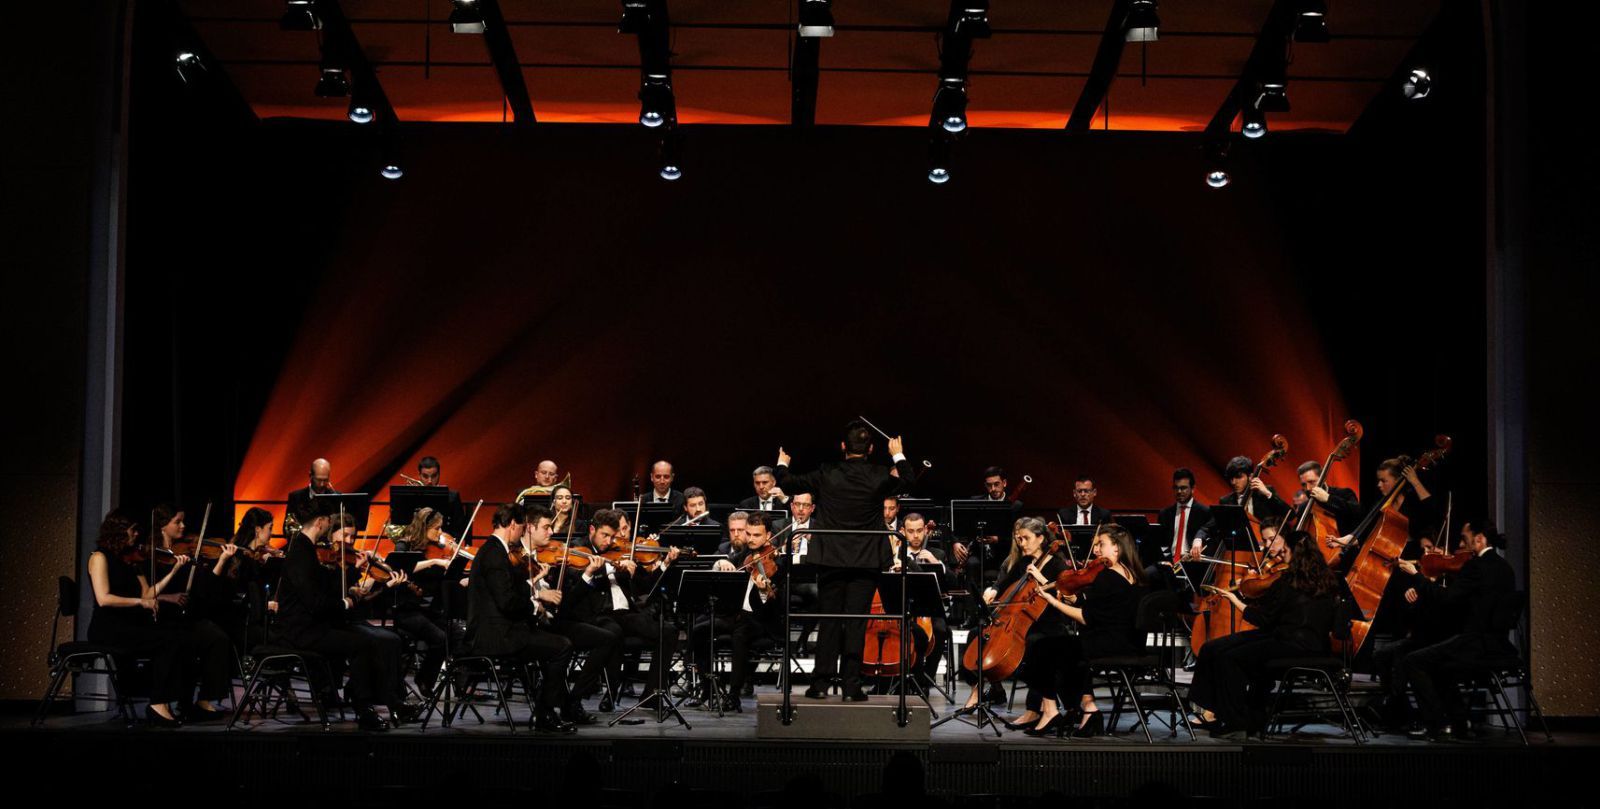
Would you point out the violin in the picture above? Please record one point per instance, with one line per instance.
(649, 550)
(1434, 565)
(379, 571)
(764, 560)
(556, 553)
(1072, 582)
(328, 555)
(210, 549)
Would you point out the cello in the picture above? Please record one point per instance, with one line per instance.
(1217, 617)
(1005, 640)
(1316, 519)
(1387, 532)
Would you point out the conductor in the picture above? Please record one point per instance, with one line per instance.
(849, 496)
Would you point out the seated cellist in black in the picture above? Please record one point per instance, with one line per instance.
(1107, 612)
(125, 616)
(313, 616)
(1293, 618)
(1038, 668)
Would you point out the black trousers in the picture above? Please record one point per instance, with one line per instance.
(641, 624)
(742, 630)
(547, 651)
(178, 656)
(429, 629)
(366, 652)
(1231, 678)
(840, 641)
(604, 648)
(1433, 673)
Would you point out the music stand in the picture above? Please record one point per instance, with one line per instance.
(702, 539)
(652, 516)
(1231, 530)
(356, 504)
(1080, 538)
(403, 561)
(995, 516)
(924, 598)
(405, 500)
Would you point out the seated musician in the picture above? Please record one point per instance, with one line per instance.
(661, 491)
(694, 507)
(501, 608)
(927, 560)
(314, 615)
(735, 541)
(321, 482)
(253, 568)
(1185, 523)
(1479, 594)
(1259, 499)
(200, 599)
(1416, 623)
(430, 473)
(421, 615)
(1293, 619)
(1107, 612)
(126, 607)
(1027, 556)
(891, 513)
(768, 496)
(601, 645)
(561, 506)
(606, 595)
(758, 618)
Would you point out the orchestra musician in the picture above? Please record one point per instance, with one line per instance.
(1339, 501)
(421, 616)
(321, 482)
(561, 505)
(1038, 669)
(428, 474)
(694, 505)
(601, 644)
(1184, 523)
(126, 616)
(1293, 618)
(1084, 510)
(606, 594)
(735, 541)
(925, 560)
(1259, 499)
(849, 496)
(758, 618)
(891, 514)
(501, 608)
(661, 491)
(1107, 613)
(768, 496)
(203, 602)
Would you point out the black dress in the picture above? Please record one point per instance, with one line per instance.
(1041, 657)
(1231, 678)
(134, 632)
(1110, 607)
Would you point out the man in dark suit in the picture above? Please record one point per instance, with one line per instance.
(768, 496)
(602, 645)
(606, 595)
(1181, 533)
(321, 483)
(849, 496)
(428, 473)
(661, 491)
(925, 559)
(735, 541)
(1258, 499)
(695, 509)
(500, 610)
(758, 618)
(1342, 503)
(1481, 592)
(1084, 511)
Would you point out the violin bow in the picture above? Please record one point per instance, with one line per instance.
(199, 544)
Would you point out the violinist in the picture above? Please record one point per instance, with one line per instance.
(367, 591)
(694, 506)
(1424, 622)
(1107, 612)
(1478, 593)
(1293, 618)
(419, 611)
(602, 644)
(313, 614)
(125, 610)
(254, 567)
(1038, 670)
(606, 594)
(758, 618)
(201, 604)
(321, 482)
(1337, 500)
(500, 611)
(661, 491)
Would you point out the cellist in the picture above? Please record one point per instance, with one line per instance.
(1038, 667)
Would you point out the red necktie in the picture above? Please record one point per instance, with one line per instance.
(1177, 541)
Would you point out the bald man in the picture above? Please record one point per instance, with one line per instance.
(321, 482)
(545, 474)
(661, 491)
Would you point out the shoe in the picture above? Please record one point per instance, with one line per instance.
(195, 714)
(732, 704)
(575, 714)
(1199, 722)
(1021, 724)
(1095, 725)
(407, 713)
(1421, 732)
(546, 720)
(1054, 727)
(368, 720)
(855, 695)
(817, 691)
(606, 704)
(156, 720)
(997, 694)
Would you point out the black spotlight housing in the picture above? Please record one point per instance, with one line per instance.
(1253, 123)
(671, 155)
(1417, 84)
(940, 152)
(466, 17)
(1312, 23)
(332, 83)
(635, 17)
(191, 69)
(816, 19)
(949, 106)
(972, 20)
(301, 15)
(1217, 175)
(1143, 24)
(657, 106)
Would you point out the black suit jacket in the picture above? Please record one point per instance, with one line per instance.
(309, 601)
(1199, 517)
(1267, 509)
(849, 496)
(1343, 505)
(1097, 515)
(674, 497)
(1481, 589)
(498, 602)
(753, 503)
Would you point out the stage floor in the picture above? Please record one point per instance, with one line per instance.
(721, 761)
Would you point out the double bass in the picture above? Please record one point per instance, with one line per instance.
(1005, 639)
(1387, 531)
(1315, 519)
(1215, 616)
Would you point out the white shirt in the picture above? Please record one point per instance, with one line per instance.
(538, 608)
(1085, 516)
(619, 599)
(802, 542)
(661, 498)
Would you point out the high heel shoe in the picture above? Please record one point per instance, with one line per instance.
(156, 720)
(1021, 724)
(1052, 728)
(1095, 725)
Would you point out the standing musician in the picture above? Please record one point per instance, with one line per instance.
(1342, 503)
(759, 617)
(605, 595)
(1417, 506)
(1293, 618)
(849, 496)
(1479, 593)
(313, 614)
(321, 483)
(1084, 511)
(1038, 670)
(500, 611)
(768, 496)
(602, 645)
(428, 474)
(126, 610)
(661, 491)
(1107, 610)
(694, 505)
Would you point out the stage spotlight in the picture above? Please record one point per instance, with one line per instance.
(939, 161)
(190, 69)
(1272, 92)
(656, 105)
(1254, 124)
(301, 15)
(816, 19)
(1312, 24)
(392, 171)
(1417, 85)
(1218, 178)
(466, 17)
(635, 17)
(359, 112)
(1143, 25)
(973, 20)
(671, 157)
(950, 106)
(1217, 169)
(332, 83)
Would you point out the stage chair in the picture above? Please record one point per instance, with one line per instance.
(1495, 675)
(1153, 667)
(1317, 683)
(75, 658)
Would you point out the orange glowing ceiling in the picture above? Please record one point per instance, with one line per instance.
(731, 61)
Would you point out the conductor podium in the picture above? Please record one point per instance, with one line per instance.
(833, 719)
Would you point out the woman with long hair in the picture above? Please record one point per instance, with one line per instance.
(1028, 558)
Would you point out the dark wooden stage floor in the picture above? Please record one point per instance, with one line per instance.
(721, 761)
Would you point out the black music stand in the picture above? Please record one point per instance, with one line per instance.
(1080, 540)
(982, 715)
(405, 500)
(713, 591)
(1230, 530)
(924, 598)
(652, 516)
(356, 504)
(702, 539)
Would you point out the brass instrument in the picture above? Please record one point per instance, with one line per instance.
(543, 491)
